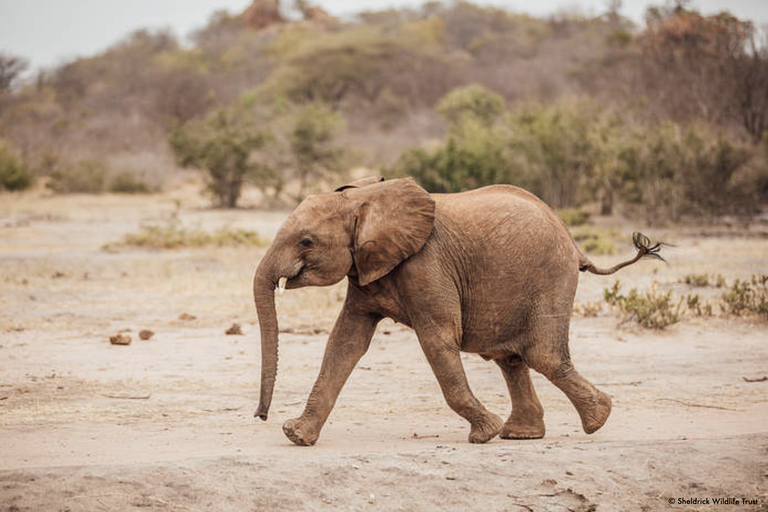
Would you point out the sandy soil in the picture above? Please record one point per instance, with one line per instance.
(166, 424)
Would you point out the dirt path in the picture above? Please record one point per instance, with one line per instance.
(167, 424)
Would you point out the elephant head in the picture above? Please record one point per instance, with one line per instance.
(363, 229)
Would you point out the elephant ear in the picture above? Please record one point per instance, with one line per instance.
(394, 220)
(362, 182)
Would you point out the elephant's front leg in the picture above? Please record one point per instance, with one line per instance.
(442, 351)
(347, 343)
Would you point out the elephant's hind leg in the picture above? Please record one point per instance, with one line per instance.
(548, 355)
(527, 418)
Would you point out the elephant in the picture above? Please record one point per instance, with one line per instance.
(491, 271)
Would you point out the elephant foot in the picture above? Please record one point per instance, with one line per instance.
(517, 427)
(299, 433)
(596, 413)
(486, 429)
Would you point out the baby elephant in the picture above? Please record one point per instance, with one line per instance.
(491, 271)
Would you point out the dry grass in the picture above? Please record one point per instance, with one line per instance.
(172, 235)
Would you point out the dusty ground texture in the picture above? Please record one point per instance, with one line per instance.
(166, 424)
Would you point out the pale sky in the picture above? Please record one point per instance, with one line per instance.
(49, 32)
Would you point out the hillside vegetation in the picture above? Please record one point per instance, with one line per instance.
(668, 120)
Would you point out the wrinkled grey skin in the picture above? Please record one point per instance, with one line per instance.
(491, 271)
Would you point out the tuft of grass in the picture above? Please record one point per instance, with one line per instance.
(588, 309)
(652, 309)
(703, 280)
(748, 296)
(573, 217)
(174, 236)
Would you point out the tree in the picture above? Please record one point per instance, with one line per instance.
(221, 145)
(721, 59)
(311, 139)
(10, 69)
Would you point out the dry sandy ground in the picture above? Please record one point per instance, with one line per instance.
(166, 424)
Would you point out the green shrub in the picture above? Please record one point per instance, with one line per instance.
(573, 217)
(748, 296)
(599, 246)
(475, 155)
(13, 173)
(703, 280)
(471, 100)
(174, 236)
(697, 306)
(652, 309)
(128, 183)
(596, 241)
(86, 177)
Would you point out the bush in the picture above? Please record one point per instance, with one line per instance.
(703, 280)
(599, 246)
(85, 177)
(573, 152)
(748, 296)
(471, 100)
(573, 217)
(174, 236)
(596, 241)
(697, 306)
(652, 310)
(475, 155)
(547, 150)
(13, 173)
(128, 183)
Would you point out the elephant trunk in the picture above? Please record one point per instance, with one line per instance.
(264, 296)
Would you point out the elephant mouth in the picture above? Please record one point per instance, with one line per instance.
(289, 282)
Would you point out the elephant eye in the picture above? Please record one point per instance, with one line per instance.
(306, 242)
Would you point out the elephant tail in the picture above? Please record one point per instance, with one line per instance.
(644, 250)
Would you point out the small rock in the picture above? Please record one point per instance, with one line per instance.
(235, 329)
(371, 498)
(187, 317)
(120, 339)
(58, 275)
(146, 334)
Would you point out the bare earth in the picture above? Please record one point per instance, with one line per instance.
(166, 424)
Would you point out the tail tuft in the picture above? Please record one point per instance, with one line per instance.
(644, 247)
(644, 250)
